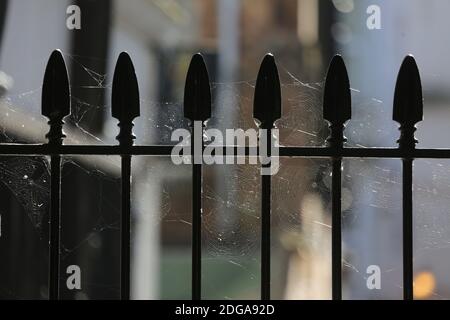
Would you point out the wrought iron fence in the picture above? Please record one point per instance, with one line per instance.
(407, 111)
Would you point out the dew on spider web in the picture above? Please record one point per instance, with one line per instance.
(28, 179)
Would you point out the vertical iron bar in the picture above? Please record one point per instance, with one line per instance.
(265, 226)
(125, 107)
(197, 108)
(408, 111)
(55, 106)
(266, 109)
(336, 110)
(336, 229)
(407, 230)
(55, 226)
(196, 222)
(125, 227)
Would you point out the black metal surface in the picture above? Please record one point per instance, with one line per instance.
(125, 107)
(337, 111)
(408, 270)
(166, 150)
(197, 108)
(267, 109)
(55, 106)
(408, 110)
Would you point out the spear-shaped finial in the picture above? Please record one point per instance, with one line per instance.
(197, 108)
(197, 92)
(337, 100)
(125, 98)
(56, 97)
(408, 101)
(267, 101)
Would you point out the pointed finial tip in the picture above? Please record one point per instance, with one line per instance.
(56, 59)
(55, 96)
(125, 59)
(337, 61)
(267, 99)
(197, 61)
(55, 88)
(268, 67)
(56, 53)
(269, 58)
(410, 61)
(125, 103)
(337, 95)
(197, 91)
(408, 99)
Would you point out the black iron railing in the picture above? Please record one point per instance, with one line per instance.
(407, 111)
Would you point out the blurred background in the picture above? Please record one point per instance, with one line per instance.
(233, 36)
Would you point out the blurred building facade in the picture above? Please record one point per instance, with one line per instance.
(233, 35)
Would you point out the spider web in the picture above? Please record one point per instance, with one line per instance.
(231, 194)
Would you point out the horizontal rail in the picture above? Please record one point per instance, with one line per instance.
(166, 150)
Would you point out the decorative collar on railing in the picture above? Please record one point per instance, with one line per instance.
(56, 97)
(125, 98)
(337, 101)
(267, 100)
(408, 102)
(197, 92)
